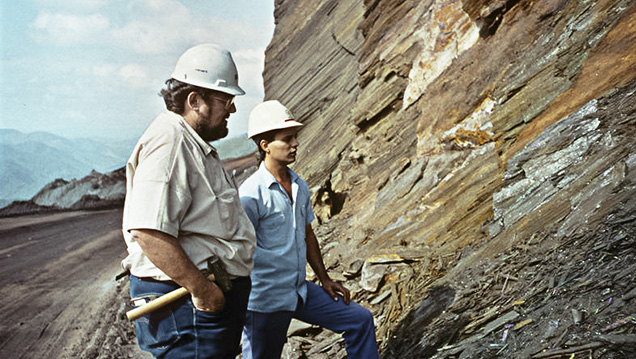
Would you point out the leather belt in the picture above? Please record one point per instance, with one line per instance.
(168, 282)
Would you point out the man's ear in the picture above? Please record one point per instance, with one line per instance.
(263, 144)
(192, 101)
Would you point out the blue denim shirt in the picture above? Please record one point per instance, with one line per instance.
(278, 277)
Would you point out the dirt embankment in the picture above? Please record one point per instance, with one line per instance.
(57, 287)
(57, 280)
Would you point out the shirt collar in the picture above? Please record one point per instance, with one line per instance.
(268, 178)
(205, 147)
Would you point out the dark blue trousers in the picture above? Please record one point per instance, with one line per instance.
(180, 331)
(265, 333)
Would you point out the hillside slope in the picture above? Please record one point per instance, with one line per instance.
(28, 161)
(100, 190)
(474, 168)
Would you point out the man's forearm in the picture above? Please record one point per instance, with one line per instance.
(314, 257)
(165, 252)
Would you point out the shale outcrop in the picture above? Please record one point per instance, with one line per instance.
(473, 165)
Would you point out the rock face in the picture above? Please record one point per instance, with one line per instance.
(456, 138)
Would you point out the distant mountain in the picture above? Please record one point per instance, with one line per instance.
(101, 191)
(29, 161)
(234, 147)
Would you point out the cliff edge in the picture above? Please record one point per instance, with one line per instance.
(473, 165)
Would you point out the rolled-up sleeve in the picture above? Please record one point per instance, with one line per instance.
(158, 196)
(157, 205)
(250, 205)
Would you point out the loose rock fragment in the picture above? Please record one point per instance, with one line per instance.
(372, 275)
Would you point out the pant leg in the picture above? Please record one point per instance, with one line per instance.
(353, 320)
(265, 334)
(180, 331)
(219, 333)
(158, 331)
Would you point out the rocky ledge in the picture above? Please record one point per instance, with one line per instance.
(473, 165)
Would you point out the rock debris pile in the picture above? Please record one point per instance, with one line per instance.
(476, 192)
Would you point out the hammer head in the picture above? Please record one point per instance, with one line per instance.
(213, 259)
(221, 277)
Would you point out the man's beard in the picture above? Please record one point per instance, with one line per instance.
(214, 133)
(217, 133)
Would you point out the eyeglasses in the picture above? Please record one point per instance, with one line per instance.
(227, 103)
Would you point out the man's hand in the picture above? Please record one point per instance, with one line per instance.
(314, 257)
(166, 253)
(334, 288)
(209, 298)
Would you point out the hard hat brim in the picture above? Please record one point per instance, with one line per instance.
(230, 90)
(285, 125)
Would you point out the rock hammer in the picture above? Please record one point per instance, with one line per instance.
(215, 273)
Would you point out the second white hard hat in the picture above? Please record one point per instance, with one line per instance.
(208, 66)
(268, 116)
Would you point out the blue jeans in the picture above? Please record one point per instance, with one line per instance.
(265, 334)
(180, 331)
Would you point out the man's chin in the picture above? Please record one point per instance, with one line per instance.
(217, 134)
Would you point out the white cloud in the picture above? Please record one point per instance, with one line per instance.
(250, 75)
(249, 62)
(146, 38)
(109, 78)
(145, 27)
(73, 5)
(103, 56)
(135, 75)
(104, 70)
(69, 29)
(73, 114)
(160, 26)
(249, 54)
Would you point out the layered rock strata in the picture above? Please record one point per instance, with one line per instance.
(440, 134)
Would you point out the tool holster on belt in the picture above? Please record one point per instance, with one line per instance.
(221, 277)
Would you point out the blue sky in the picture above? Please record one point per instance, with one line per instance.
(94, 67)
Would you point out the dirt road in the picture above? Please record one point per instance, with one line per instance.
(57, 288)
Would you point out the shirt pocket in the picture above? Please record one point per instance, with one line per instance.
(227, 205)
(272, 231)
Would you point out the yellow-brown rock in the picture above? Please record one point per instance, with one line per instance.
(496, 137)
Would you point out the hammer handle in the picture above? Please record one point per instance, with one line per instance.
(157, 303)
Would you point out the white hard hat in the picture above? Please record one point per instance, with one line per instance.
(208, 66)
(268, 116)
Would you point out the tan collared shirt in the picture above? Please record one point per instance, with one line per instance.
(176, 184)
